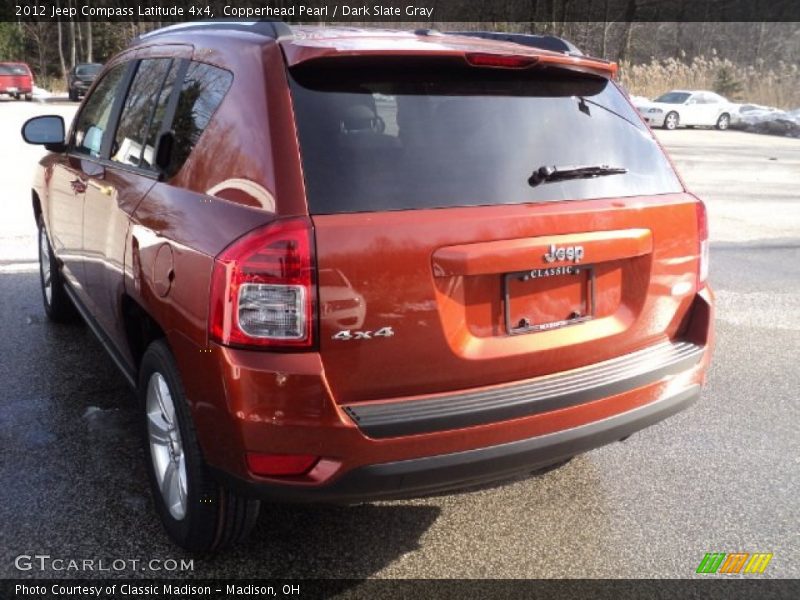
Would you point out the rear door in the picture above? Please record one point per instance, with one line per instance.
(468, 272)
(716, 106)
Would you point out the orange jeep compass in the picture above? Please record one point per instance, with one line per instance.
(346, 265)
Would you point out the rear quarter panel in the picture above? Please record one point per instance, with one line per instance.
(243, 173)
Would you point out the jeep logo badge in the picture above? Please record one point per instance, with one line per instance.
(573, 253)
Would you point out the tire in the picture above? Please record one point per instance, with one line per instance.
(671, 121)
(198, 513)
(723, 122)
(73, 96)
(28, 97)
(57, 305)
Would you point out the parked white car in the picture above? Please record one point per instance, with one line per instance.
(688, 108)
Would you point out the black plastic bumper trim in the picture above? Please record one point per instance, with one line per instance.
(543, 394)
(447, 472)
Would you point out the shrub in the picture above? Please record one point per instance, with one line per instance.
(726, 84)
(777, 85)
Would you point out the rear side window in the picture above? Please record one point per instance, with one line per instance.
(142, 112)
(93, 120)
(202, 91)
(393, 137)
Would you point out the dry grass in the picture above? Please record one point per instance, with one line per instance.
(777, 85)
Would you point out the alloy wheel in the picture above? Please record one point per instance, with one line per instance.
(166, 446)
(44, 265)
(672, 121)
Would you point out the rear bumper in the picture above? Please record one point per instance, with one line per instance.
(80, 88)
(275, 403)
(11, 91)
(541, 395)
(441, 473)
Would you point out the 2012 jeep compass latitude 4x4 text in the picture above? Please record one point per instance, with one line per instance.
(346, 265)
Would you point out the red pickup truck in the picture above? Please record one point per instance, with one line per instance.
(16, 80)
(342, 265)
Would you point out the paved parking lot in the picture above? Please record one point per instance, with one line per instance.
(720, 477)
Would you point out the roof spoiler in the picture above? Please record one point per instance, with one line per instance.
(544, 42)
(273, 29)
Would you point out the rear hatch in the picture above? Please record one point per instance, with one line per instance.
(444, 266)
(15, 78)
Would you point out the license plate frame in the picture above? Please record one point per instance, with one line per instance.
(587, 312)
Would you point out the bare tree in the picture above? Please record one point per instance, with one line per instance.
(61, 49)
(606, 26)
(625, 46)
(89, 43)
(79, 44)
(71, 39)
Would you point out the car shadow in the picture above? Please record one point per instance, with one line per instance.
(73, 458)
(325, 541)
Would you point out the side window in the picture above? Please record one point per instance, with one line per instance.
(93, 120)
(202, 92)
(143, 111)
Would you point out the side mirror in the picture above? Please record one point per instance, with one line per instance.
(47, 131)
(166, 141)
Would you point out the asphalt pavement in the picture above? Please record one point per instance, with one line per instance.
(719, 477)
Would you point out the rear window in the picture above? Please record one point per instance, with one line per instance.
(394, 138)
(87, 70)
(10, 69)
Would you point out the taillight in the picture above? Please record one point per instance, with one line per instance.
(504, 61)
(262, 288)
(703, 244)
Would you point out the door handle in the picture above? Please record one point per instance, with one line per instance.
(106, 190)
(78, 186)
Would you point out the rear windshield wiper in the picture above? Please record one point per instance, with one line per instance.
(545, 174)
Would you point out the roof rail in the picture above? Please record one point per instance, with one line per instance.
(276, 30)
(545, 42)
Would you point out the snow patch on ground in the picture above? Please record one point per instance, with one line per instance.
(765, 119)
(41, 93)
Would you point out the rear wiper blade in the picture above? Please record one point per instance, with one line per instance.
(545, 173)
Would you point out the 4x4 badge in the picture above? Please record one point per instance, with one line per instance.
(347, 334)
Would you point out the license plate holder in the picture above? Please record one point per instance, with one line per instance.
(517, 326)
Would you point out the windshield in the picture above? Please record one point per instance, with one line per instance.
(88, 70)
(673, 98)
(393, 138)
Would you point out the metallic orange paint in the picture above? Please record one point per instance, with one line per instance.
(432, 275)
